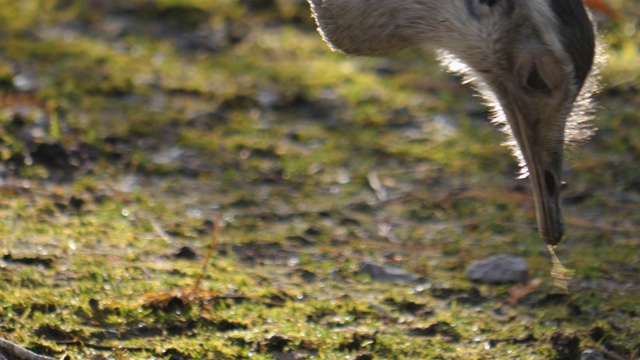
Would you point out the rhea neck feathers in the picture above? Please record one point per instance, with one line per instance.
(473, 38)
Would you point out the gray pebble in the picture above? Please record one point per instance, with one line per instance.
(386, 273)
(499, 269)
(592, 354)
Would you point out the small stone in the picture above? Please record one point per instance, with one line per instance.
(308, 276)
(386, 273)
(294, 355)
(499, 269)
(592, 354)
(26, 82)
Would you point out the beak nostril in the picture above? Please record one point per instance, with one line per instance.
(550, 182)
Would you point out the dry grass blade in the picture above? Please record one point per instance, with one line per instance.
(520, 291)
(376, 185)
(560, 274)
(205, 261)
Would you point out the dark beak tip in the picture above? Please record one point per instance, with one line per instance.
(554, 241)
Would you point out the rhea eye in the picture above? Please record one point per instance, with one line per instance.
(536, 83)
(479, 8)
(488, 2)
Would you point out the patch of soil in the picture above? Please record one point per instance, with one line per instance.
(441, 328)
(566, 344)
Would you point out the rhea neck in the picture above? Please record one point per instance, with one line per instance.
(379, 27)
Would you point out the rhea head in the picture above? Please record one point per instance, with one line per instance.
(532, 60)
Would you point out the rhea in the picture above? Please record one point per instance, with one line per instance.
(531, 60)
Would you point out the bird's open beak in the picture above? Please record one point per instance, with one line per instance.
(543, 156)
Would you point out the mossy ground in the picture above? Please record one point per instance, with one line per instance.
(129, 127)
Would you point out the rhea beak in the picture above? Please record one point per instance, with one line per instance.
(543, 158)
